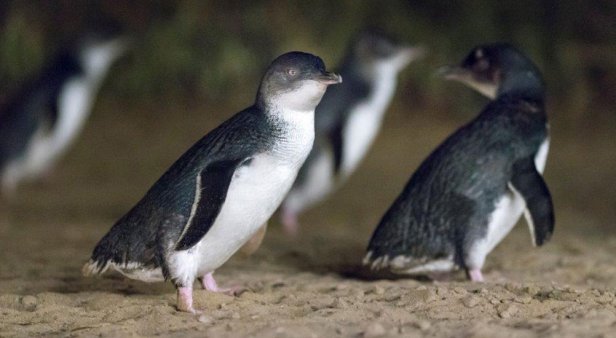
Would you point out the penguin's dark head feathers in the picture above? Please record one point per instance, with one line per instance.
(374, 49)
(495, 69)
(295, 80)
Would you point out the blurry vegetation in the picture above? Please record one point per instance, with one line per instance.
(202, 50)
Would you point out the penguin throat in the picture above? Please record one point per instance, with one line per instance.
(96, 60)
(304, 98)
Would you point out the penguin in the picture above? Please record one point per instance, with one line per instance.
(348, 119)
(43, 119)
(470, 192)
(221, 191)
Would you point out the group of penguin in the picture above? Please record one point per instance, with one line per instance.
(303, 136)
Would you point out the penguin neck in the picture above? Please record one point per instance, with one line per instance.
(95, 74)
(526, 85)
(277, 113)
(96, 62)
(301, 100)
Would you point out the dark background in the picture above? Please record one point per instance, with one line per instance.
(194, 63)
(201, 50)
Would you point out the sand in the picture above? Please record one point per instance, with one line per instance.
(311, 286)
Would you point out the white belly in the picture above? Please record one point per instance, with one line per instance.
(506, 214)
(254, 194)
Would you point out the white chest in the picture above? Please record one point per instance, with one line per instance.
(254, 194)
(365, 121)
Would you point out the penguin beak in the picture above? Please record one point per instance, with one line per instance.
(116, 47)
(122, 45)
(455, 73)
(413, 53)
(328, 78)
(465, 76)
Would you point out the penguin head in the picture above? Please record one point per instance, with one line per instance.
(295, 81)
(375, 52)
(98, 51)
(496, 69)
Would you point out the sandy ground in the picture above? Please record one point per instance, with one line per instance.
(312, 286)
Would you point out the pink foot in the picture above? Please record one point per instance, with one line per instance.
(185, 301)
(475, 275)
(290, 223)
(209, 283)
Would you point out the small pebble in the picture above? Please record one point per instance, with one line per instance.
(206, 319)
(507, 311)
(531, 290)
(471, 301)
(322, 302)
(379, 290)
(523, 299)
(441, 291)
(339, 303)
(422, 295)
(221, 314)
(341, 286)
(460, 291)
(423, 325)
(29, 303)
(374, 330)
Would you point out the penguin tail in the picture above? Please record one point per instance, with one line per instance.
(117, 252)
(376, 262)
(93, 268)
(111, 251)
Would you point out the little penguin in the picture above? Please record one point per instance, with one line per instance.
(221, 191)
(45, 116)
(470, 192)
(348, 119)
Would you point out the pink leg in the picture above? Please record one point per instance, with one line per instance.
(209, 283)
(290, 222)
(475, 275)
(185, 301)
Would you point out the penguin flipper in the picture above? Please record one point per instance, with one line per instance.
(212, 185)
(539, 212)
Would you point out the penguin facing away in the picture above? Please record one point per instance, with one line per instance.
(348, 119)
(218, 194)
(39, 124)
(470, 192)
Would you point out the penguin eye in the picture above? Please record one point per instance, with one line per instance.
(291, 72)
(482, 65)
